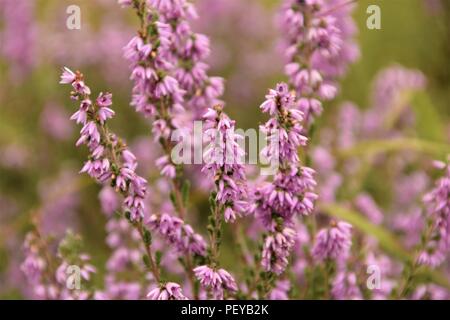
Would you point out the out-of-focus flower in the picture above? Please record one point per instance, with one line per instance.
(438, 203)
(334, 242)
(178, 233)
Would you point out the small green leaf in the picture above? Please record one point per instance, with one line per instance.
(158, 257)
(147, 237)
(173, 199)
(212, 202)
(146, 260)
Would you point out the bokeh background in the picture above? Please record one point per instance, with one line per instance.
(38, 161)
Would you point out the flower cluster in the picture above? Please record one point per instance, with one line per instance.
(17, 18)
(290, 194)
(35, 268)
(110, 158)
(169, 73)
(276, 250)
(156, 93)
(126, 256)
(49, 282)
(178, 233)
(438, 203)
(215, 280)
(189, 51)
(319, 39)
(390, 92)
(345, 287)
(224, 158)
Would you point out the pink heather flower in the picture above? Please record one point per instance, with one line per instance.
(333, 243)
(291, 191)
(155, 89)
(349, 125)
(410, 224)
(178, 233)
(216, 280)
(430, 292)
(319, 47)
(365, 203)
(18, 37)
(119, 290)
(276, 250)
(54, 121)
(188, 52)
(108, 200)
(81, 115)
(68, 76)
(345, 287)
(281, 290)
(119, 169)
(438, 205)
(35, 267)
(167, 167)
(388, 88)
(86, 270)
(224, 162)
(168, 291)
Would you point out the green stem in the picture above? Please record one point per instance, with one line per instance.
(148, 249)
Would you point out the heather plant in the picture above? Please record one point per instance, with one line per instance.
(355, 206)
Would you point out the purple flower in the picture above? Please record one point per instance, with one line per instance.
(119, 167)
(333, 243)
(68, 76)
(365, 203)
(108, 200)
(178, 233)
(388, 88)
(188, 52)
(281, 290)
(345, 287)
(291, 191)
(276, 250)
(168, 291)
(54, 121)
(319, 47)
(224, 161)
(166, 166)
(19, 37)
(86, 269)
(216, 280)
(438, 205)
